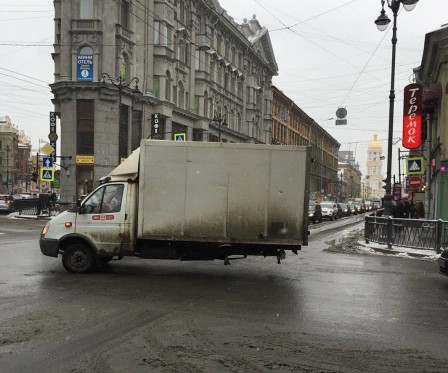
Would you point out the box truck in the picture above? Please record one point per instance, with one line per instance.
(189, 201)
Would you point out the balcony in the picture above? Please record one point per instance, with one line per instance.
(86, 25)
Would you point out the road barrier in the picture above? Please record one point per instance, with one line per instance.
(39, 207)
(414, 233)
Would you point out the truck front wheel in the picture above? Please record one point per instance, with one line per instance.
(78, 258)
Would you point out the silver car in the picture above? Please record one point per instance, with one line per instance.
(329, 210)
(5, 204)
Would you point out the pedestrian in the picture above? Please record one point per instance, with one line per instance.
(420, 210)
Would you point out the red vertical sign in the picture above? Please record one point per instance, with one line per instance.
(412, 116)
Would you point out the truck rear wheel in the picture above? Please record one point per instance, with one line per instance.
(78, 258)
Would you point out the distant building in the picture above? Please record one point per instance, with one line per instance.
(374, 176)
(292, 126)
(350, 176)
(15, 153)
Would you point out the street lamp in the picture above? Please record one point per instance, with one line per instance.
(121, 84)
(382, 22)
(7, 167)
(219, 120)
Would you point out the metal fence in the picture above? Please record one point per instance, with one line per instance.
(34, 206)
(414, 233)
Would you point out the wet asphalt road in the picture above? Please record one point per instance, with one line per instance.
(316, 312)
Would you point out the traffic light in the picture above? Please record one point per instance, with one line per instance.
(34, 176)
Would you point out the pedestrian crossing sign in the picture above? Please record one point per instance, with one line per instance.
(415, 166)
(47, 174)
(179, 137)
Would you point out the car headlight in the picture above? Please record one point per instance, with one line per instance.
(46, 228)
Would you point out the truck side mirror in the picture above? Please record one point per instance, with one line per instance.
(81, 209)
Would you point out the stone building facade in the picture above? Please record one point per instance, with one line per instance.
(15, 158)
(433, 76)
(292, 126)
(162, 69)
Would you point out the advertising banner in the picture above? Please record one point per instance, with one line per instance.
(412, 116)
(84, 68)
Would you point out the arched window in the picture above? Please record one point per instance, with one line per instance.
(168, 86)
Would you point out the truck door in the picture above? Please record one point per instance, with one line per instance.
(103, 219)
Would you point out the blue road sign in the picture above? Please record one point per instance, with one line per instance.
(179, 136)
(47, 162)
(47, 174)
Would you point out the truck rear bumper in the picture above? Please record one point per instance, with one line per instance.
(49, 247)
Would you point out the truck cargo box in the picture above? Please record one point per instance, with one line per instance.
(223, 192)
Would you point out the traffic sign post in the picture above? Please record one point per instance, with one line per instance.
(415, 182)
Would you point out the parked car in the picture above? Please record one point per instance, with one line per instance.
(346, 209)
(314, 212)
(329, 210)
(5, 204)
(443, 263)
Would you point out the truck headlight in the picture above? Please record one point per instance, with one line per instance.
(46, 228)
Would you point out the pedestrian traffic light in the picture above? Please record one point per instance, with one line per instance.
(34, 176)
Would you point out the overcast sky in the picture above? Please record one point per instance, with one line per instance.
(329, 53)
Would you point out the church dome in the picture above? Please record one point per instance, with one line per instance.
(375, 143)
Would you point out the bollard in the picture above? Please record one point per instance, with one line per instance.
(389, 232)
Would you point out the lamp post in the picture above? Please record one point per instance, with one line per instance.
(219, 120)
(7, 167)
(382, 23)
(121, 84)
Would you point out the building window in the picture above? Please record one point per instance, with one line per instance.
(156, 86)
(168, 86)
(123, 132)
(183, 51)
(85, 110)
(125, 11)
(181, 95)
(156, 33)
(136, 129)
(85, 9)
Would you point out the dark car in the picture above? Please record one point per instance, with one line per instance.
(357, 207)
(346, 209)
(443, 263)
(314, 212)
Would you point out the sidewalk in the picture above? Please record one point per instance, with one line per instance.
(405, 252)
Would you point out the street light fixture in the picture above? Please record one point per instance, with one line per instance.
(121, 84)
(219, 120)
(382, 23)
(7, 167)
